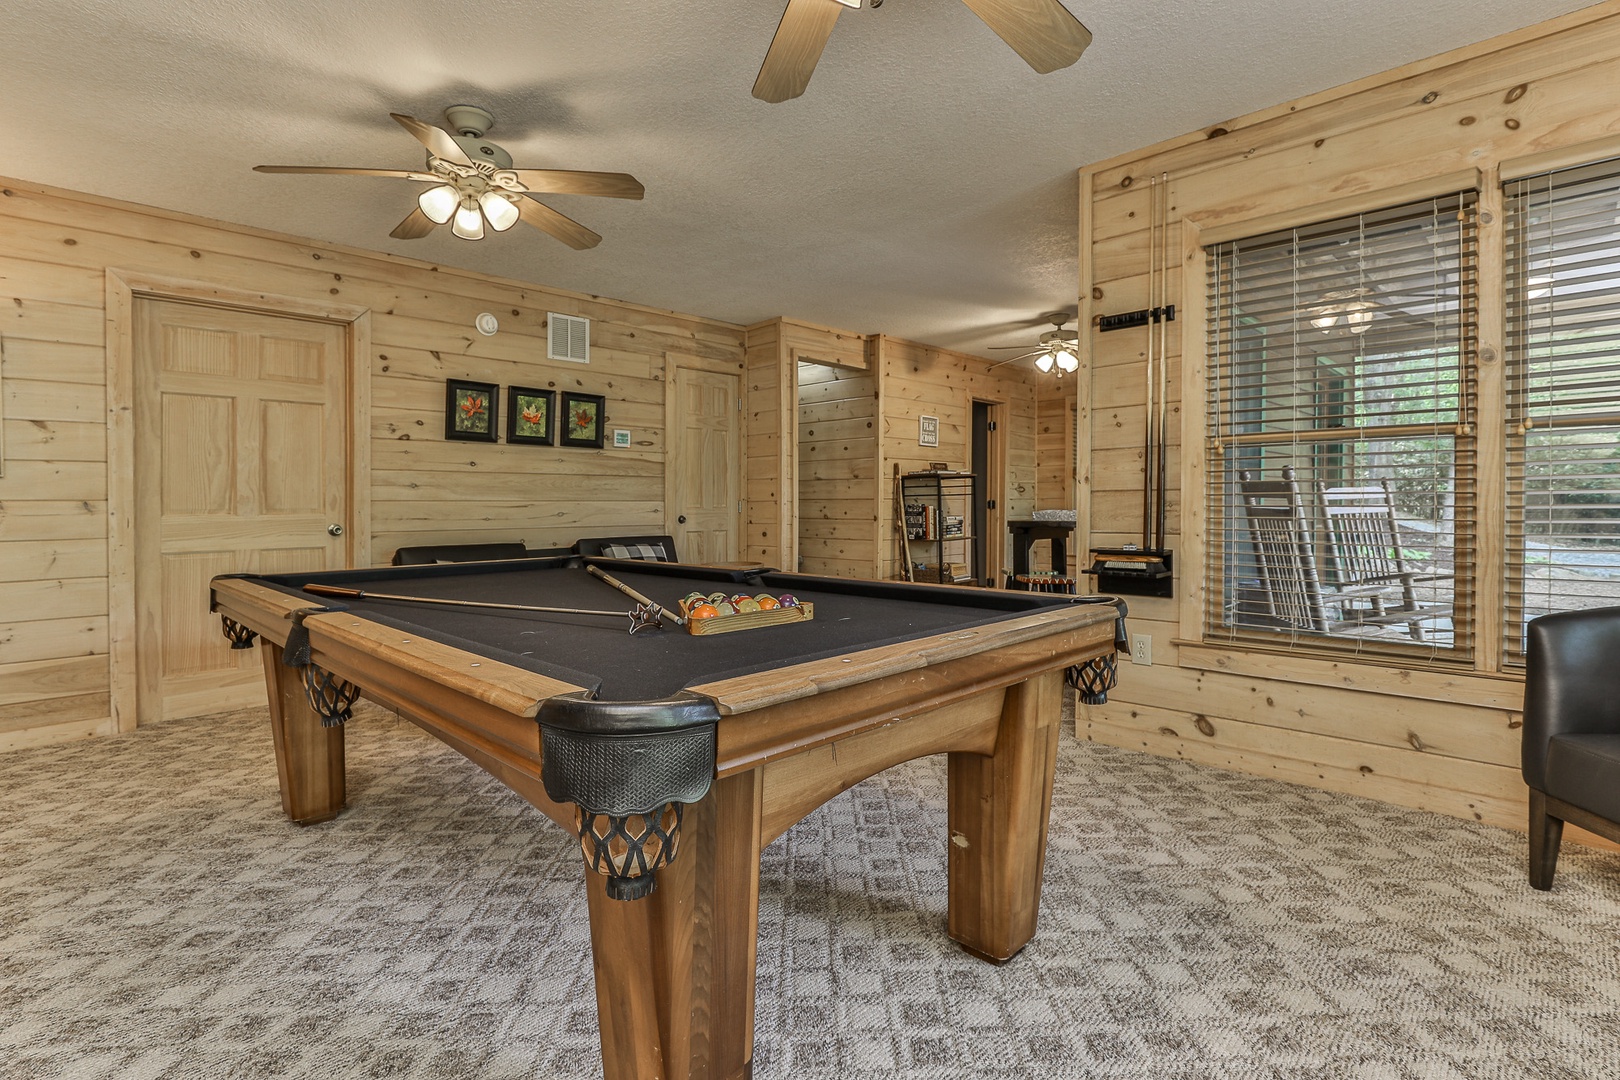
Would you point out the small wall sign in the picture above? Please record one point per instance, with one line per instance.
(927, 431)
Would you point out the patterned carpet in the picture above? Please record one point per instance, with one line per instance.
(159, 918)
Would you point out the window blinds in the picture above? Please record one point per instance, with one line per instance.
(1563, 400)
(1341, 480)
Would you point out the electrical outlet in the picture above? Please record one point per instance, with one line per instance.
(1142, 649)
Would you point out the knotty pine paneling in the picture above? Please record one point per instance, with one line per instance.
(918, 380)
(837, 444)
(54, 558)
(1437, 739)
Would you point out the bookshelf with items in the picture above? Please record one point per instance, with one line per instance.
(936, 532)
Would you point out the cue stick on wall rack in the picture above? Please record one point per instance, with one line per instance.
(659, 609)
(1164, 361)
(360, 594)
(1147, 374)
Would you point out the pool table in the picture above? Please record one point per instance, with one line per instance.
(676, 758)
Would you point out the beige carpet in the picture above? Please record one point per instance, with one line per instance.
(159, 918)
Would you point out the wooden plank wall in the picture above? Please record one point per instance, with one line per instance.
(1434, 739)
(1054, 445)
(54, 584)
(1055, 462)
(789, 498)
(768, 534)
(917, 380)
(838, 483)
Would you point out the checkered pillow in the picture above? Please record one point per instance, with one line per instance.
(651, 552)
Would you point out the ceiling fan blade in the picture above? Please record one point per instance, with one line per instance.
(427, 178)
(437, 140)
(1041, 31)
(415, 226)
(615, 185)
(800, 36)
(562, 227)
(1020, 356)
(1001, 348)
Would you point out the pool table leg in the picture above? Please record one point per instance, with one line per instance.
(675, 970)
(998, 807)
(309, 757)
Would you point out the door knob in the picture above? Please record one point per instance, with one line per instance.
(681, 520)
(334, 530)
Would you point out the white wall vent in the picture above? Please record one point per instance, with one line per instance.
(570, 338)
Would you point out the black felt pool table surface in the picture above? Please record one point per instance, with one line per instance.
(600, 654)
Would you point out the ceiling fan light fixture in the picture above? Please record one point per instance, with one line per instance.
(500, 211)
(1043, 362)
(469, 223)
(439, 203)
(1067, 361)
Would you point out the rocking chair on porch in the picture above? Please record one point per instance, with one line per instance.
(1367, 584)
(1363, 547)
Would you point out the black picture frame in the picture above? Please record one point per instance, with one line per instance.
(522, 403)
(582, 421)
(471, 410)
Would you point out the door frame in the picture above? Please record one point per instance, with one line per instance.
(992, 485)
(123, 287)
(673, 363)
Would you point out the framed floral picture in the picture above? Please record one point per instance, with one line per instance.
(469, 410)
(531, 415)
(582, 417)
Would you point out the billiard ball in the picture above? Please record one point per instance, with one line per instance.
(789, 600)
(702, 610)
(745, 604)
(766, 602)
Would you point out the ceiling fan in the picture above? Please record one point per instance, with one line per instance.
(1058, 347)
(474, 184)
(1041, 31)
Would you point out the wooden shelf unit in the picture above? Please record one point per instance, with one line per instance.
(937, 526)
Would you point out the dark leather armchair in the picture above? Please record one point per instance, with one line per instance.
(1571, 749)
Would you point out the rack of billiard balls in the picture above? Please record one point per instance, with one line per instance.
(719, 613)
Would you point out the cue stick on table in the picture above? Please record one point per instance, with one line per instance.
(680, 620)
(359, 594)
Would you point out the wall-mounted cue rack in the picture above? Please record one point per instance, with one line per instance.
(1146, 569)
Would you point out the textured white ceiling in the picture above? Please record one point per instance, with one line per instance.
(924, 186)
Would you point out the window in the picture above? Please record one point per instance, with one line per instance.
(1340, 502)
(1563, 395)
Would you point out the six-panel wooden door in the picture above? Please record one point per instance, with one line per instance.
(703, 463)
(241, 466)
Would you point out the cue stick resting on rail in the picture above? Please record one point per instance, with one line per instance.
(659, 609)
(646, 615)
